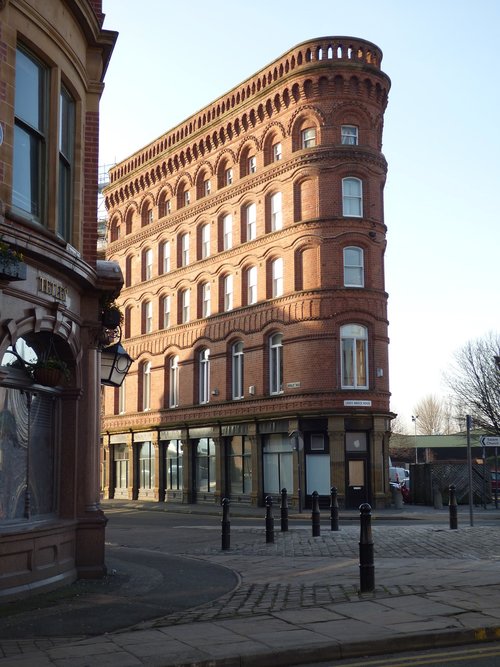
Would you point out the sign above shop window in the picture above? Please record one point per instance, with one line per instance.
(52, 288)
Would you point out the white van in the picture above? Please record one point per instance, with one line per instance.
(399, 476)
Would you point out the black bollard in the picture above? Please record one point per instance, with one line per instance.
(366, 566)
(453, 508)
(334, 509)
(226, 525)
(284, 511)
(269, 520)
(315, 515)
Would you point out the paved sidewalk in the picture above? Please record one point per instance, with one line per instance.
(298, 601)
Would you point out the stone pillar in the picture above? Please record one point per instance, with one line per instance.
(257, 481)
(187, 468)
(380, 464)
(107, 462)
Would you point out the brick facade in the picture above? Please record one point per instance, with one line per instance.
(253, 188)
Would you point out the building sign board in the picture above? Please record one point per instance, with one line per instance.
(358, 404)
(490, 441)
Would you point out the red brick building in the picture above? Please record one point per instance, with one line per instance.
(252, 241)
(53, 58)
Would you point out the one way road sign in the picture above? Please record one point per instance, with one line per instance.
(490, 441)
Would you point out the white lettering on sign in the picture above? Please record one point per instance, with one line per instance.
(358, 404)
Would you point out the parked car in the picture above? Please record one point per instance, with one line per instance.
(495, 483)
(400, 479)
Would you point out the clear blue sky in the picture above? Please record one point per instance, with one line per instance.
(441, 139)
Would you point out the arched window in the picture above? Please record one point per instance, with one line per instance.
(185, 303)
(276, 200)
(204, 240)
(354, 356)
(353, 267)
(184, 250)
(227, 283)
(237, 368)
(128, 270)
(308, 137)
(250, 217)
(147, 317)
(226, 232)
(276, 364)
(165, 310)
(165, 257)
(204, 376)
(148, 264)
(352, 197)
(251, 285)
(206, 307)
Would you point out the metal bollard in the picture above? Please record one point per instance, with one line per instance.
(453, 508)
(269, 520)
(334, 509)
(226, 525)
(315, 515)
(366, 565)
(284, 510)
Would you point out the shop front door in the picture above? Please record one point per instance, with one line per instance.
(357, 492)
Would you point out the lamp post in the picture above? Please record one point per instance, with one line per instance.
(414, 420)
(115, 363)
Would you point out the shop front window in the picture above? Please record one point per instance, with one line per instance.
(239, 461)
(146, 466)
(174, 465)
(277, 462)
(205, 465)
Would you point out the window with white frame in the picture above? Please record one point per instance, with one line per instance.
(204, 377)
(352, 197)
(349, 135)
(353, 267)
(277, 152)
(205, 300)
(66, 163)
(354, 356)
(173, 394)
(185, 305)
(146, 386)
(184, 249)
(227, 232)
(252, 285)
(167, 309)
(205, 241)
(166, 256)
(168, 207)
(148, 317)
(187, 198)
(276, 364)
(251, 221)
(30, 135)
(252, 164)
(276, 212)
(228, 292)
(237, 366)
(146, 466)
(228, 176)
(207, 188)
(308, 137)
(148, 264)
(277, 277)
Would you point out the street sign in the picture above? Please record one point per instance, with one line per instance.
(490, 441)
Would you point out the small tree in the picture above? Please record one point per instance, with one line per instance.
(431, 416)
(474, 381)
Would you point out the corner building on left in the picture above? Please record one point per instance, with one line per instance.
(53, 58)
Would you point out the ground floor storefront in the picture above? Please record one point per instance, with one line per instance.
(248, 461)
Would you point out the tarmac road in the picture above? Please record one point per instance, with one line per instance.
(141, 585)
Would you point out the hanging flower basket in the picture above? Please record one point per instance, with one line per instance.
(111, 318)
(50, 372)
(12, 268)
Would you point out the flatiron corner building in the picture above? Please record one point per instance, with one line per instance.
(252, 238)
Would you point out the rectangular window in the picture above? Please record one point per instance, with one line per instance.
(166, 311)
(228, 176)
(168, 207)
(146, 387)
(207, 188)
(276, 212)
(252, 164)
(148, 317)
(277, 464)
(122, 398)
(353, 267)
(185, 301)
(240, 466)
(276, 364)
(204, 368)
(251, 221)
(205, 297)
(184, 249)
(166, 257)
(146, 466)
(277, 152)
(352, 197)
(252, 285)
(228, 293)
(66, 164)
(349, 135)
(205, 465)
(237, 371)
(308, 137)
(148, 260)
(205, 241)
(187, 198)
(173, 398)
(174, 465)
(354, 339)
(30, 135)
(227, 232)
(277, 277)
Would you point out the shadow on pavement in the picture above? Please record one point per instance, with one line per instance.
(140, 586)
